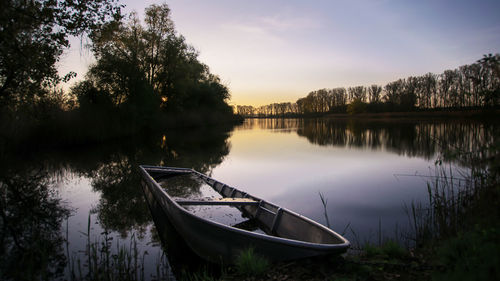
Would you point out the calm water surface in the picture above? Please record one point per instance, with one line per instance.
(367, 171)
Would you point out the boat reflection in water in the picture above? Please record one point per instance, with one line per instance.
(218, 226)
(180, 256)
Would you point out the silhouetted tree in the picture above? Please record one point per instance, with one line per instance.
(356, 106)
(245, 110)
(149, 67)
(374, 91)
(393, 92)
(33, 35)
(357, 93)
(428, 90)
(408, 97)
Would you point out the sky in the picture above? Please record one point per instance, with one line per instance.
(278, 51)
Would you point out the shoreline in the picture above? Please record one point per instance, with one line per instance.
(394, 116)
(444, 114)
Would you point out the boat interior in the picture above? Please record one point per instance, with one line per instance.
(219, 202)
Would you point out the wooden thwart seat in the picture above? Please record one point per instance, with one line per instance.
(219, 201)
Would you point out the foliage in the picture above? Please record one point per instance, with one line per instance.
(146, 67)
(33, 37)
(249, 263)
(356, 106)
(144, 77)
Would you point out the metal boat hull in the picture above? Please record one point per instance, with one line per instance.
(222, 243)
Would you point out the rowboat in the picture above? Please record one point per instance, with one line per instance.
(221, 225)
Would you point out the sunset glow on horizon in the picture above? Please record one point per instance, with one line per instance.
(279, 51)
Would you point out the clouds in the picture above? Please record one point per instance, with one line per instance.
(289, 22)
(277, 48)
(277, 28)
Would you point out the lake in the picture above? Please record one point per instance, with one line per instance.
(368, 171)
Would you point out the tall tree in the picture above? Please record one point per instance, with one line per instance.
(374, 91)
(393, 92)
(159, 27)
(33, 35)
(427, 90)
(146, 66)
(358, 92)
(408, 97)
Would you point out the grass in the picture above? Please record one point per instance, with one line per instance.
(324, 201)
(104, 261)
(450, 199)
(472, 255)
(390, 250)
(202, 275)
(459, 229)
(250, 263)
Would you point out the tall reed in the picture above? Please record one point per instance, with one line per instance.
(454, 195)
(102, 261)
(324, 201)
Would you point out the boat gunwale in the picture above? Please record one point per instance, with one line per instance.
(275, 239)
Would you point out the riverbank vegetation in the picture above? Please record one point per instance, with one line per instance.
(453, 236)
(470, 87)
(145, 76)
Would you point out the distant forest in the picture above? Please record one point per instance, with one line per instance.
(468, 87)
(145, 76)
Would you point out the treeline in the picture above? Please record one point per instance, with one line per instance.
(145, 75)
(470, 86)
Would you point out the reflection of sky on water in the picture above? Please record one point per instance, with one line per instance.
(360, 168)
(362, 185)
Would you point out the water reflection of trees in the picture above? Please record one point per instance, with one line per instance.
(282, 124)
(122, 206)
(410, 138)
(113, 170)
(422, 139)
(30, 221)
(32, 213)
